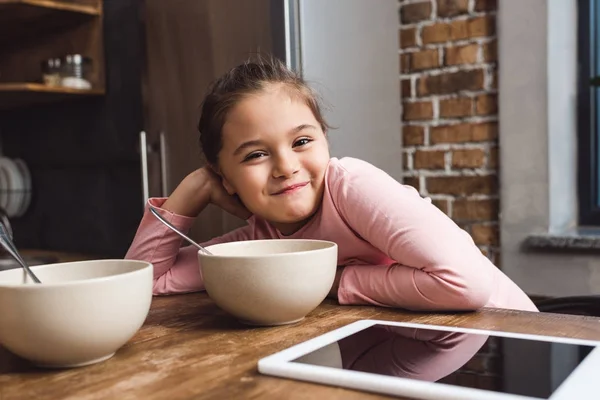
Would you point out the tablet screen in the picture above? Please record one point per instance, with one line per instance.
(516, 366)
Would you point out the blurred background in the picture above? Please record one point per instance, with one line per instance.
(487, 107)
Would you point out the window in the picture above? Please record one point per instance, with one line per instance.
(589, 112)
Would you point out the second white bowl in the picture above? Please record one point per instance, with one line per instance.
(269, 282)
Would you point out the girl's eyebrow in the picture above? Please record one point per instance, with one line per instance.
(252, 143)
(245, 145)
(301, 128)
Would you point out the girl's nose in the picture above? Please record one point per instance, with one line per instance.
(285, 165)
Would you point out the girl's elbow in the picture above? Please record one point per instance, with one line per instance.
(477, 293)
(159, 286)
(474, 300)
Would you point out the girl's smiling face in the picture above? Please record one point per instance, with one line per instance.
(274, 157)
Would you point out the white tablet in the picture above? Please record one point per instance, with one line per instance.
(438, 362)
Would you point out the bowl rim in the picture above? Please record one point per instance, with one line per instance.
(332, 245)
(87, 281)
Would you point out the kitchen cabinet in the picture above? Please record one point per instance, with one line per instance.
(80, 146)
(84, 153)
(35, 30)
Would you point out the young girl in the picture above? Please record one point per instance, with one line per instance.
(264, 137)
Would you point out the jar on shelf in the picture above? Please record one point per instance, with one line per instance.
(51, 71)
(75, 72)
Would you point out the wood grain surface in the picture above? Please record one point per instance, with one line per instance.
(190, 349)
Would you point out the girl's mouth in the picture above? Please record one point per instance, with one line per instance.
(291, 189)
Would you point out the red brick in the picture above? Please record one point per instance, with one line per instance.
(447, 83)
(496, 259)
(405, 63)
(406, 88)
(408, 37)
(485, 234)
(415, 12)
(462, 185)
(412, 181)
(482, 26)
(486, 104)
(494, 84)
(459, 30)
(405, 157)
(464, 133)
(456, 107)
(419, 110)
(462, 54)
(475, 210)
(485, 5)
(413, 135)
(425, 59)
(444, 32)
(442, 204)
(424, 159)
(493, 160)
(451, 8)
(490, 51)
(468, 158)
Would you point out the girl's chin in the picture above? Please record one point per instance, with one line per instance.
(291, 221)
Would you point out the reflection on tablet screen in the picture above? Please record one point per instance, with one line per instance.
(517, 366)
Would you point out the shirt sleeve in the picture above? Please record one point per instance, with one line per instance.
(176, 268)
(438, 266)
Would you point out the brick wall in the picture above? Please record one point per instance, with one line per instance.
(448, 72)
(448, 78)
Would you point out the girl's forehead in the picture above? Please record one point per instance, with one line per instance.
(273, 109)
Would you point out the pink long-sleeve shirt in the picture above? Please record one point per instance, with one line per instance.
(398, 249)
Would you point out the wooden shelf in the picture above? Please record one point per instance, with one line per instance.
(23, 21)
(34, 6)
(14, 95)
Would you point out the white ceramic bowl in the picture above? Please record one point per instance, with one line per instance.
(80, 314)
(269, 282)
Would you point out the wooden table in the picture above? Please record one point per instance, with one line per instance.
(189, 349)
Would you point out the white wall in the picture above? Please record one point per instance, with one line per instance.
(349, 53)
(537, 76)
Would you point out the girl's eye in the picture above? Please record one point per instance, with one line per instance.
(254, 156)
(302, 142)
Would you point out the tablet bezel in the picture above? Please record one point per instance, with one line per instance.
(582, 382)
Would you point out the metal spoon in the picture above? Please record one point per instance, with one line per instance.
(177, 231)
(7, 243)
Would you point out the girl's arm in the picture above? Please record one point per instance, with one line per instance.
(438, 267)
(176, 269)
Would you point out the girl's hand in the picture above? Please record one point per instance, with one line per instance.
(222, 199)
(197, 190)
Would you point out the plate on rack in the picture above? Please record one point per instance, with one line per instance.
(15, 186)
(4, 189)
(27, 186)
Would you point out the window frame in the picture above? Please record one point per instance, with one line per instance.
(587, 121)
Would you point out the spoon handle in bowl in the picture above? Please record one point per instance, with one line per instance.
(8, 245)
(177, 231)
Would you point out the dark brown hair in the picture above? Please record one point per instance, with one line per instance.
(238, 83)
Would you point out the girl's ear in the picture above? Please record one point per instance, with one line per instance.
(230, 190)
